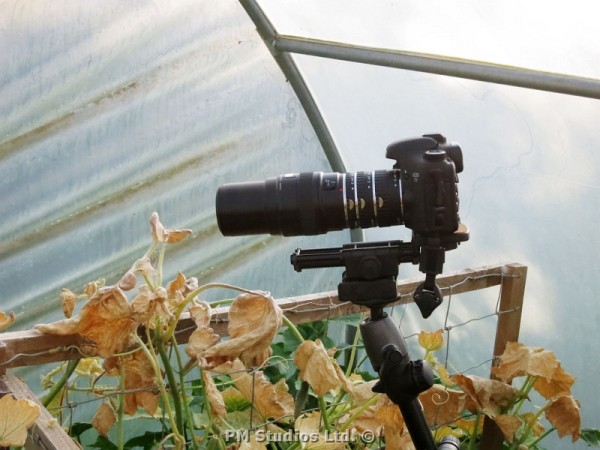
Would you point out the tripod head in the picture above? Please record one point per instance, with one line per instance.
(372, 268)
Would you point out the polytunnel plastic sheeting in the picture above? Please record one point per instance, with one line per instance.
(110, 111)
(529, 191)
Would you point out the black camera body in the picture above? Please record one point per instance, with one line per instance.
(428, 170)
(420, 192)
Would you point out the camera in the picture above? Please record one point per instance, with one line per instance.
(420, 192)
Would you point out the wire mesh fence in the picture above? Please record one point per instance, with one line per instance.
(252, 420)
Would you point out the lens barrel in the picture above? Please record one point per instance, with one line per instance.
(310, 203)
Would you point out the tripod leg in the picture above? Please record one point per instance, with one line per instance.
(401, 379)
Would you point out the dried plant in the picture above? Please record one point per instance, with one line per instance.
(266, 384)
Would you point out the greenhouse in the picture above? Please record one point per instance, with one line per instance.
(204, 205)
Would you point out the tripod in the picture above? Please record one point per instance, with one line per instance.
(370, 280)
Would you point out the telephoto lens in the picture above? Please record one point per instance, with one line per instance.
(310, 203)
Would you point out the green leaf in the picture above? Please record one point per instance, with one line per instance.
(103, 444)
(147, 441)
(591, 437)
(77, 429)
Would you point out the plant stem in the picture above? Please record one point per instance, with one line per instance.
(71, 366)
(359, 411)
(473, 437)
(171, 379)
(120, 429)
(529, 426)
(153, 358)
(161, 258)
(188, 414)
(542, 436)
(293, 329)
(352, 353)
(523, 393)
(324, 416)
(300, 399)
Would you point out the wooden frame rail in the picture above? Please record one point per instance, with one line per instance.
(25, 348)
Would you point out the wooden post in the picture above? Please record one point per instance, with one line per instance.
(3, 352)
(507, 330)
(46, 433)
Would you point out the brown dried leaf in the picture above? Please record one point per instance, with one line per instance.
(254, 319)
(16, 417)
(144, 267)
(128, 281)
(533, 423)
(389, 416)
(201, 313)
(160, 234)
(508, 425)
(90, 288)
(431, 341)
(316, 367)
(104, 419)
(563, 413)
(6, 320)
(488, 396)
(150, 307)
(519, 360)
(69, 299)
(213, 396)
(442, 405)
(176, 289)
(106, 320)
(271, 401)
(560, 384)
(140, 377)
(469, 426)
(201, 340)
(308, 426)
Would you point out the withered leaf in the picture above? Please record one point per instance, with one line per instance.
(560, 384)
(519, 360)
(533, 423)
(106, 320)
(201, 340)
(150, 307)
(254, 319)
(140, 378)
(563, 413)
(316, 367)
(201, 313)
(309, 425)
(128, 281)
(270, 400)
(389, 416)
(104, 419)
(487, 396)
(16, 417)
(6, 320)
(160, 234)
(442, 405)
(144, 267)
(508, 425)
(68, 299)
(180, 287)
(213, 396)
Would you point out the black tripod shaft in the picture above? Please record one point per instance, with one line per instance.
(412, 413)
